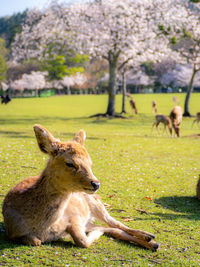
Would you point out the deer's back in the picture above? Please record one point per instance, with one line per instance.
(18, 192)
(28, 208)
(162, 118)
(176, 115)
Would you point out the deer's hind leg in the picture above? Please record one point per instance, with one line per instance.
(194, 123)
(29, 240)
(165, 130)
(17, 228)
(157, 127)
(154, 124)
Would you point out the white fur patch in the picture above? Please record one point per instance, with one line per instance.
(45, 133)
(84, 135)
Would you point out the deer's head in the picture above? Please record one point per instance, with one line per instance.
(70, 166)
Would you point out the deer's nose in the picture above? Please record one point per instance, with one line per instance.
(95, 185)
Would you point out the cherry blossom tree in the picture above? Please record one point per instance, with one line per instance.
(179, 76)
(77, 80)
(180, 24)
(34, 81)
(117, 31)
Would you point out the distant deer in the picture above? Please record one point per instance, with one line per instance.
(198, 189)
(197, 119)
(176, 100)
(176, 118)
(133, 105)
(5, 99)
(160, 118)
(128, 94)
(61, 201)
(154, 106)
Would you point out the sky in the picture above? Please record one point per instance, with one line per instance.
(9, 7)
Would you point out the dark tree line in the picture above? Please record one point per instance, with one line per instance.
(10, 25)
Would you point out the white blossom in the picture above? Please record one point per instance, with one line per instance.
(34, 81)
(119, 31)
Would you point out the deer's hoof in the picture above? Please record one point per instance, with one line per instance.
(155, 246)
(150, 237)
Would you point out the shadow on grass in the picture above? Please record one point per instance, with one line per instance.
(13, 134)
(26, 120)
(189, 207)
(32, 120)
(5, 243)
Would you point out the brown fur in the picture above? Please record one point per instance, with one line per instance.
(198, 189)
(160, 118)
(128, 94)
(61, 201)
(176, 118)
(133, 105)
(154, 106)
(197, 119)
(176, 100)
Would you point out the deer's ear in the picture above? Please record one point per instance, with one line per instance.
(80, 137)
(46, 142)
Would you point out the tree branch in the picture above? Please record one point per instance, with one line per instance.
(124, 63)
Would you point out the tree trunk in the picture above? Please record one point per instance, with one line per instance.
(189, 91)
(123, 92)
(112, 86)
(68, 90)
(36, 93)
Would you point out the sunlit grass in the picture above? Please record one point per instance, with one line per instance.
(139, 171)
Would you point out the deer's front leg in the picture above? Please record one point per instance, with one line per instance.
(102, 214)
(77, 231)
(122, 235)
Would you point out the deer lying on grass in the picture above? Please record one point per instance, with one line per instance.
(176, 118)
(61, 201)
(197, 119)
(133, 105)
(154, 106)
(160, 118)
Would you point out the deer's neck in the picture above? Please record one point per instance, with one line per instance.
(49, 186)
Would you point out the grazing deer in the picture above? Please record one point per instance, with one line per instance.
(128, 94)
(176, 118)
(197, 119)
(176, 100)
(61, 201)
(133, 105)
(198, 189)
(160, 118)
(154, 106)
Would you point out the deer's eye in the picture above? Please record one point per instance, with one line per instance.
(70, 165)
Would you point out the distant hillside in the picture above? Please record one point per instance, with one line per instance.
(10, 25)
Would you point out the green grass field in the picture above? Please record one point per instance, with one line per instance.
(147, 180)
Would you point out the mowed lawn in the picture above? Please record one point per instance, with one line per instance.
(147, 181)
